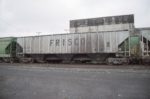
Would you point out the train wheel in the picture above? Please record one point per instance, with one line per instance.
(6, 60)
(1, 60)
(32, 61)
(11, 61)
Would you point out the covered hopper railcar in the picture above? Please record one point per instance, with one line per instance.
(7, 49)
(74, 47)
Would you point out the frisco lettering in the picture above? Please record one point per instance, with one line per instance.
(69, 42)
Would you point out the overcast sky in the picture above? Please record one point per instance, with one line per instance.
(27, 17)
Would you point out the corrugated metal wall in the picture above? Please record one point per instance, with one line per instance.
(112, 27)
